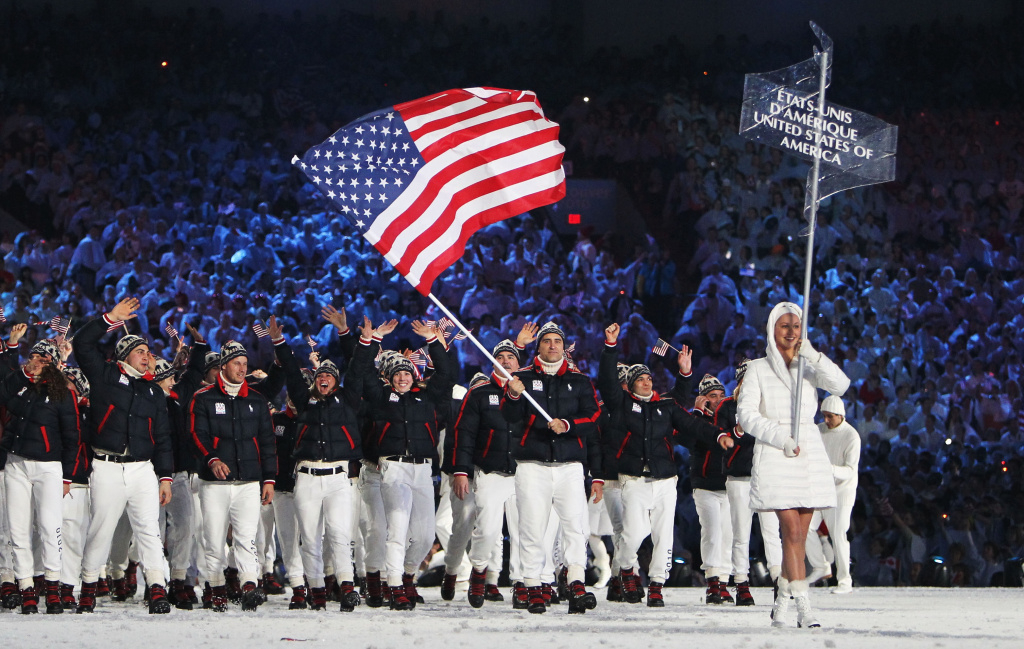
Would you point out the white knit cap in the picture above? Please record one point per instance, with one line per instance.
(833, 404)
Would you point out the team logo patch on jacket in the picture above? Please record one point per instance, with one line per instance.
(124, 380)
(221, 409)
(538, 386)
(393, 397)
(493, 399)
(636, 407)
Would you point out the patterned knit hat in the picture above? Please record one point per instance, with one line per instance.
(741, 369)
(709, 383)
(634, 372)
(231, 350)
(328, 367)
(211, 362)
(506, 346)
(307, 376)
(396, 364)
(162, 370)
(478, 379)
(126, 345)
(551, 328)
(46, 347)
(622, 370)
(78, 380)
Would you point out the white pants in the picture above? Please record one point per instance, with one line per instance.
(180, 528)
(715, 532)
(34, 492)
(837, 520)
(266, 544)
(323, 504)
(738, 490)
(121, 547)
(462, 516)
(612, 500)
(813, 545)
(75, 511)
(236, 504)
(6, 551)
(287, 526)
(373, 524)
(649, 507)
(541, 489)
(358, 547)
(495, 497)
(408, 493)
(114, 489)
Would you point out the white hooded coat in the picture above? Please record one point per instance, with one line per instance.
(764, 410)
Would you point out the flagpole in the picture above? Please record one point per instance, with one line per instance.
(815, 171)
(487, 353)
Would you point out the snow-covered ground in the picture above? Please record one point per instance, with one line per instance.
(877, 617)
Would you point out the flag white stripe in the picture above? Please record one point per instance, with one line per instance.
(434, 136)
(437, 207)
(459, 107)
(474, 207)
(442, 162)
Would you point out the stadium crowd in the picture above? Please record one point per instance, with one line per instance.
(154, 162)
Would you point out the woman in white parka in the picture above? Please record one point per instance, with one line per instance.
(790, 480)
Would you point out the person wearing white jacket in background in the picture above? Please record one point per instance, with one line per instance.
(792, 480)
(842, 443)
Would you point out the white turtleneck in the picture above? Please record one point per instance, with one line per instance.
(644, 399)
(229, 387)
(550, 368)
(130, 371)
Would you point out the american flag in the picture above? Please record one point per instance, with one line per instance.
(60, 324)
(418, 179)
(312, 343)
(419, 359)
(260, 329)
(171, 331)
(115, 325)
(3, 316)
(661, 348)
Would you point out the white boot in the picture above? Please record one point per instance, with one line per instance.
(804, 615)
(601, 561)
(781, 606)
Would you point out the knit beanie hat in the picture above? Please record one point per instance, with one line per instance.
(506, 346)
(741, 369)
(709, 383)
(634, 372)
(833, 404)
(126, 345)
(46, 347)
(78, 380)
(551, 328)
(231, 350)
(478, 379)
(162, 370)
(328, 367)
(623, 371)
(211, 362)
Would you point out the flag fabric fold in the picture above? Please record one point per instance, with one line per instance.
(419, 178)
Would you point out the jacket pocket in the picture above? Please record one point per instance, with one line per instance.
(430, 434)
(301, 433)
(526, 433)
(622, 448)
(259, 458)
(668, 446)
(151, 440)
(46, 440)
(383, 432)
(110, 409)
(350, 442)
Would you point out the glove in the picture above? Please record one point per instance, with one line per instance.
(790, 448)
(810, 353)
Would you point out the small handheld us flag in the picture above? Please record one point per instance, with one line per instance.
(171, 331)
(312, 343)
(3, 316)
(260, 329)
(60, 324)
(662, 347)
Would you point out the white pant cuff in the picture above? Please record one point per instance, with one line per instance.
(576, 573)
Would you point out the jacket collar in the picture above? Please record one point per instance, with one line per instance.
(562, 369)
(242, 391)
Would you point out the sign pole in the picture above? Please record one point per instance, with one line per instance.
(812, 217)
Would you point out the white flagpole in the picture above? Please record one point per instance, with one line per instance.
(487, 353)
(815, 170)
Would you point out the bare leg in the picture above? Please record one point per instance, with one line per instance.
(793, 524)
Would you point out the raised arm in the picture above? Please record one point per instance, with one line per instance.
(824, 374)
(608, 373)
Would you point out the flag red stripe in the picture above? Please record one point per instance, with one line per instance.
(448, 121)
(436, 184)
(482, 220)
(486, 186)
(453, 140)
(431, 103)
